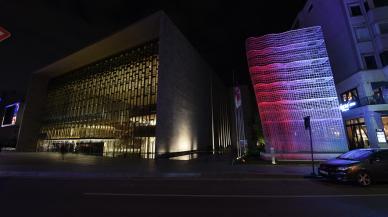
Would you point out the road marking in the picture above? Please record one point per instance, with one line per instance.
(234, 195)
(216, 179)
(181, 174)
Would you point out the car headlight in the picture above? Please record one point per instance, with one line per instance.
(347, 168)
(343, 168)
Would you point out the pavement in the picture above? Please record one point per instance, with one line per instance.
(51, 165)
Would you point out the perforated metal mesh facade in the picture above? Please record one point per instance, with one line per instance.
(292, 78)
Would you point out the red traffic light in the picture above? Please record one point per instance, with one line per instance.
(306, 122)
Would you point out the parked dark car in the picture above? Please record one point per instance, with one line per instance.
(361, 165)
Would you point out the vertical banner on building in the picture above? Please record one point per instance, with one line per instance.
(237, 97)
(240, 132)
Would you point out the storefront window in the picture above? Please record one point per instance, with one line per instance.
(357, 133)
(384, 119)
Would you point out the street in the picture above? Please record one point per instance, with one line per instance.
(189, 197)
(194, 108)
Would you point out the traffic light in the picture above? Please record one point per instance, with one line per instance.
(307, 122)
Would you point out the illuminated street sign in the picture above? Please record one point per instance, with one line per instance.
(4, 34)
(347, 106)
(380, 136)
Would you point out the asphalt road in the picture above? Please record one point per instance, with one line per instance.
(189, 197)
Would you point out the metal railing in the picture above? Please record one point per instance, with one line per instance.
(369, 100)
(373, 100)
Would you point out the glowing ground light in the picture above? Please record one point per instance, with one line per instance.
(292, 78)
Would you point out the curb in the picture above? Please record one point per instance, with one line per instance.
(83, 175)
(177, 175)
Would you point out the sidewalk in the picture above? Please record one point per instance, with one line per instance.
(50, 165)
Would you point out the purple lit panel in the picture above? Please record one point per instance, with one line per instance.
(10, 115)
(292, 78)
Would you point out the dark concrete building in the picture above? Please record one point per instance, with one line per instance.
(143, 91)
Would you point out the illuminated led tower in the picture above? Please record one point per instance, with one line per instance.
(292, 78)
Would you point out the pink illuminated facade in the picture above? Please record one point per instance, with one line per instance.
(292, 78)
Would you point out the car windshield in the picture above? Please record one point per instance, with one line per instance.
(356, 154)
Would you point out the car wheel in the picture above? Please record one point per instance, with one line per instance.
(364, 179)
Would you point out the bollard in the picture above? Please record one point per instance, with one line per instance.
(273, 155)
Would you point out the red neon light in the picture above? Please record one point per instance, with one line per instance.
(4, 34)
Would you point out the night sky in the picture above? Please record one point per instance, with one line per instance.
(45, 31)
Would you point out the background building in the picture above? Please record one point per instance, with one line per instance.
(292, 79)
(11, 110)
(356, 33)
(143, 91)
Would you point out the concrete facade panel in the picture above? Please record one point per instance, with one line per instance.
(184, 100)
(32, 115)
(337, 33)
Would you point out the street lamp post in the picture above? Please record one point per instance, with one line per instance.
(307, 125)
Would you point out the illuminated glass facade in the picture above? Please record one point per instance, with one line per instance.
(106, 108)
(292, 78)
(141, 92)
